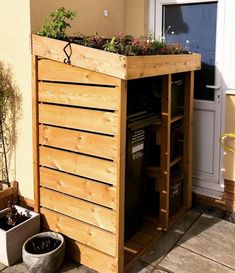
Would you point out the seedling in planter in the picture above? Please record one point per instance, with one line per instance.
(12, 217)
(12, 214)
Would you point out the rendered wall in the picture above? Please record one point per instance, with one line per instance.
(90, 15)
(137, 17)
(15, 52)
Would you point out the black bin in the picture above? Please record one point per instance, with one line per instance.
(138, 125)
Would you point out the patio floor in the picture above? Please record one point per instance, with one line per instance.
(199, 243)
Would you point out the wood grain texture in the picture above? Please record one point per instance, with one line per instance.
(123, 67)
(188, 136)
(83, 119)
(89, 167)
(213, 238)
(90, 257)
(50, 70)
(87, 212)
(35, 132)
(79, 187)
(78, 141)
(181, 260)
(147, 66)
(99, 97)
(121, 165)
(6, 192)
(165, 151)
(93, 59)
(84, 233)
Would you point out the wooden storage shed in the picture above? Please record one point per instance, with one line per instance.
(80, 125)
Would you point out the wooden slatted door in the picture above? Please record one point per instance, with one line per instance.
(80, 119)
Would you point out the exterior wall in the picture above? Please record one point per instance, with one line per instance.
(137, 17)
(90, 15)
(15, 52)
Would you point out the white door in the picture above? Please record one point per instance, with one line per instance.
(197, 25)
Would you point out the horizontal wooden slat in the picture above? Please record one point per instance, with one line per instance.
(142, 238)
(6, 192)
(133, 247)
(88, 120)
(86, 189)
(89, 167)
(78, 209)
(68, 73)
(147, 66)
(99, 97)
(90, 257)
(79, 231)
(78, 141)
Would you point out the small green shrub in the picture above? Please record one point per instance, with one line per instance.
(56, 24)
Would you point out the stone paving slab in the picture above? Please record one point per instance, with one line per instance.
(181, 260)
(67, 266)
(201, 244)
(213, 238)
(17, 268)
(72, 267)
(166, 243)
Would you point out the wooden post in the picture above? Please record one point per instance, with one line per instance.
(165, 151)
(121, 156)
(35, 133)
(188, 92)
(14, 185)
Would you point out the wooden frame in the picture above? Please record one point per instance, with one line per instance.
(123, 67)
(79, 122)
(7, 194)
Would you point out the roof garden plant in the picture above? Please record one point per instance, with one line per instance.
(58, 22)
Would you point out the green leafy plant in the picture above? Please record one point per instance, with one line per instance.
(124, 44)
(56, 24)
(128, 45)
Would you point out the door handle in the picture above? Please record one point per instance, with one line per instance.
(215, 87)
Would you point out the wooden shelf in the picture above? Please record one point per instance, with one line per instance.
(176, 160)
(176, 118)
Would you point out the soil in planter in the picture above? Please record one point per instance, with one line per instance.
(6, 227)
(42, 245)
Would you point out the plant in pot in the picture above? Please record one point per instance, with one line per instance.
(10, 110)
(17, 224)
(44, 252)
